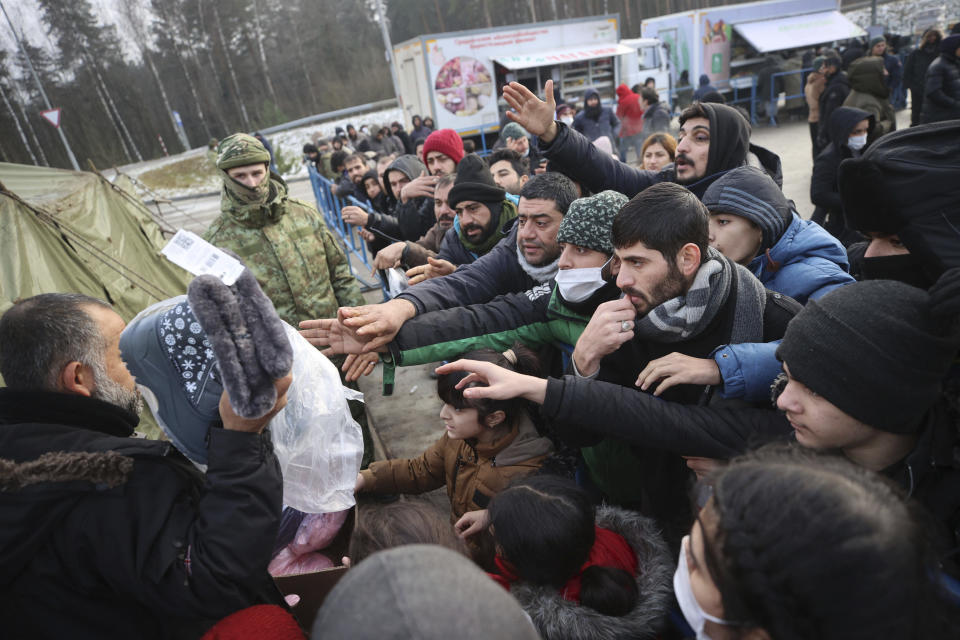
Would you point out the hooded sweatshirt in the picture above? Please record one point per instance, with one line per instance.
(411, 219)
(596, 122)
(869, 91)
(704, 88)
(729, 147)
(824, 190)
(629, 111)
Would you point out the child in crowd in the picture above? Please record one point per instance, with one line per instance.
(395, 524)
(579, 572)
(486, 444)
(797, 545)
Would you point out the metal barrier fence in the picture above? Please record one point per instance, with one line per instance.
(745, 82)
(354, 246)
(775, 95)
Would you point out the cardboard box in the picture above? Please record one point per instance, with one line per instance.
(314, 587)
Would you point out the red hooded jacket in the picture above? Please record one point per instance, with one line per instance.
(629, 111)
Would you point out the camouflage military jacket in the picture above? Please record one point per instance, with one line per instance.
(294, 256)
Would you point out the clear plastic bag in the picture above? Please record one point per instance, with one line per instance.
(397, 281)
(317, 441)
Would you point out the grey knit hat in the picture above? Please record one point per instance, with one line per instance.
(513, 130)
(750, 193)
(420, 591)
(589, 220)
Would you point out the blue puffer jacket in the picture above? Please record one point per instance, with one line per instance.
(804, 263)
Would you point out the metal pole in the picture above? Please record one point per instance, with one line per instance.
(388, 50)
(43, 94)
(873, 13)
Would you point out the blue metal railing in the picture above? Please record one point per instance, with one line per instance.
(775, 95)
(330, 206)
(744, 83)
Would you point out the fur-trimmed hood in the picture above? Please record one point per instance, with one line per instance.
(560, 619)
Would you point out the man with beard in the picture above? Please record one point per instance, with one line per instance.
(108, 535)
(483, 218)
(412, 254)
(355, 166)
(510, 170)
(679, 296)
(527, 257)
(712, 139)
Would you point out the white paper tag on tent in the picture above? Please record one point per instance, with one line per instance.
(188, 250)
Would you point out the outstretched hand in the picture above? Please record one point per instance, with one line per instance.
(358, 365)
(332, 334)
(530, 112)
(434, 268)
(677, 368)
(377, 324)
(502, 384)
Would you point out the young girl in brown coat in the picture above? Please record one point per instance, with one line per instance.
(485, 445)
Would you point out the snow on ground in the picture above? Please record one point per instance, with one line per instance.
(909, 16)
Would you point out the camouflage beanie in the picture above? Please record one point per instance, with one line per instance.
(589, 220)
(239, 150)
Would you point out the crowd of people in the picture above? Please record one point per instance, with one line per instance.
(671, 406)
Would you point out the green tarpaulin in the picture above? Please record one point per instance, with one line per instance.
(72, 231)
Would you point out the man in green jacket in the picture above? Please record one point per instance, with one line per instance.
(286, 244)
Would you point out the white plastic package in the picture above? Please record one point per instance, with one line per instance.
(397, 281)
(317, 441)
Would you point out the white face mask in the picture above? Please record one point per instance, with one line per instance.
(568, 120)
(576, 285)
(692, 611)
(857, 142)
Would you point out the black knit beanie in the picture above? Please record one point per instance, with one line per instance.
(474, 182)
(877, 350)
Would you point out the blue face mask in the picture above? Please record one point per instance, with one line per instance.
(857, 142)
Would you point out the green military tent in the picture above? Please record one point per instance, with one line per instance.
(73, 231)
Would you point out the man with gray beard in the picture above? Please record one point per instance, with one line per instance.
(107, 535)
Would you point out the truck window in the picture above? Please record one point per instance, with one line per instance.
(648, 57)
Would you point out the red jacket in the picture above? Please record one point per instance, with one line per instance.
(629, 111)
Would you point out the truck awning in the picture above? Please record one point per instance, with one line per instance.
(562, 56)
(798, 31)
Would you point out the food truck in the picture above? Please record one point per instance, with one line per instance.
(724, 42)
(457, 77)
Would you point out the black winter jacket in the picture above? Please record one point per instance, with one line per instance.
(410, 219)
(824, 188)
(493, 274)
(662, 476)
(930, 473)
(730, 145)
(834, 93)
(941, 99)
(105, 535)
(915, 70)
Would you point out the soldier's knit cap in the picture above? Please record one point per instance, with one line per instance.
(239, 150)
(514, 131)
(878, 350)
(750, 193)
(589, 220)
(447, 142)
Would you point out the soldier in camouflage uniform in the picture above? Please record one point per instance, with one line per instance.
(286, 244)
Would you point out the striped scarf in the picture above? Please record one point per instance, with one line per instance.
(688, 315)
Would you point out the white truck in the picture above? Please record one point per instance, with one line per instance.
(723, 42)
(457, 77)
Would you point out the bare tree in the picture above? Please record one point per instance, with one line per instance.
(233, 75)
(16, 120)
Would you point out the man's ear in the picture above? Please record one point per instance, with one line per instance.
(688, 259)
(77, 378)
(524, 179)
(495, 419)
